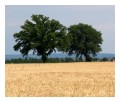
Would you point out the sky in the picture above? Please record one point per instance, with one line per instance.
(100, 17)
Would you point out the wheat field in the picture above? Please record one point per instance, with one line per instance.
(81, 79)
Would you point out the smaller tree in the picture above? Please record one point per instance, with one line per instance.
(85, 40)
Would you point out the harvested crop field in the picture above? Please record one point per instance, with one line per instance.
(82, 79)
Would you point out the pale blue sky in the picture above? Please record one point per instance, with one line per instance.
(100, 17)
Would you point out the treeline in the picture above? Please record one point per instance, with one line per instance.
(56, 60)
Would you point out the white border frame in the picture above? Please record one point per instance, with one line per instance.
(59, 2)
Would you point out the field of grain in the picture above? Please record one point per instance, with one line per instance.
(93, 79)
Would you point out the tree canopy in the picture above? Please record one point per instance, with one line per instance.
(41, 35)
(85, 40)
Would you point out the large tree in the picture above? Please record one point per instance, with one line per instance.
(41, 35)
(85, 41)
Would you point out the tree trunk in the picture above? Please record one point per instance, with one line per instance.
(44, 58)
(86, 57)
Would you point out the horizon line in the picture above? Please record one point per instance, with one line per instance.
(57, 53)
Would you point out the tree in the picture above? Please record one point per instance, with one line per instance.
(41, 35)
(85, 40)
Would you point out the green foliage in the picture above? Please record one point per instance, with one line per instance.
(56, 60)
(41, 35)
(85, 40)
(105, 59)
(34, 60)
(20, 60)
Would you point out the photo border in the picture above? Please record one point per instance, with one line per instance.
(63, 99)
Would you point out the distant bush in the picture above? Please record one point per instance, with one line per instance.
(57, 60)
(20, 60)
(34, 60)
(105, 59)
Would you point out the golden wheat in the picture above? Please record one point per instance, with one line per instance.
(60, 79)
